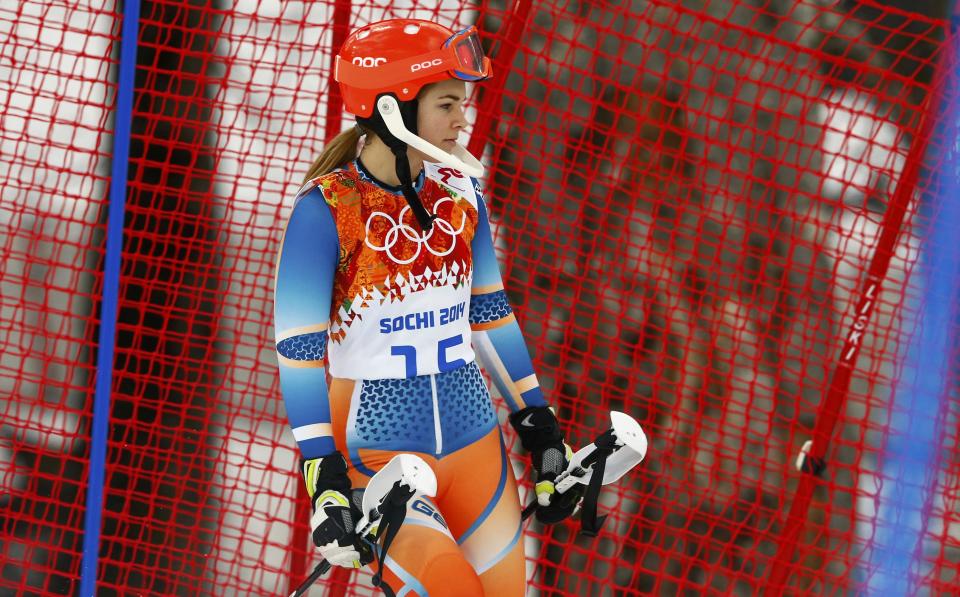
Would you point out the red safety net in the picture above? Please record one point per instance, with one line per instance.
(687, 199)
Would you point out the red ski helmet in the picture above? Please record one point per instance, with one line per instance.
(382, 67)
(400, 56)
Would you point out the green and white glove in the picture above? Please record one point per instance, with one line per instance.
(334, 515)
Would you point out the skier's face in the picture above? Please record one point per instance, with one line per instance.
(440, 113)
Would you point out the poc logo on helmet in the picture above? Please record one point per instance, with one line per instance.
(367, 61)
(429, 63)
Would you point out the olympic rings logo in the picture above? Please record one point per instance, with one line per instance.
(398, 229)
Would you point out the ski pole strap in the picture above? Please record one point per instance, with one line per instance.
(590, 524)
(424, 218)
(393, 513)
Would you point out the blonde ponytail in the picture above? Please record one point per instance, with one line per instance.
(338, 153)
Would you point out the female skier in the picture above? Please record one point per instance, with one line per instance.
(387, 276)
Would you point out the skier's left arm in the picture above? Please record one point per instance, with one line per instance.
(502, 352)
(497, 338)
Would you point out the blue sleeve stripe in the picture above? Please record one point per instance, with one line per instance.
(533, 397)
(305, 347)
(485, 308)
(317, 447)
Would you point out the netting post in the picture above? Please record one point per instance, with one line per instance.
(340, 29)
(487, 108)
(110, 298)
(832, 405)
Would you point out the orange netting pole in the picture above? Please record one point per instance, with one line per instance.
(488, 106)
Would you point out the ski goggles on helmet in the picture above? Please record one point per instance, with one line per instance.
(466, 47)
(461, 55)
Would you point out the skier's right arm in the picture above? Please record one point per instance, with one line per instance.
(304, 286)
(302, 294)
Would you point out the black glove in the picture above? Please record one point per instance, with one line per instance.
(334, 514)
(540, 435)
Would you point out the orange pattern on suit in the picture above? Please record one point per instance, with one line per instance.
(465, 542)
(380, 256)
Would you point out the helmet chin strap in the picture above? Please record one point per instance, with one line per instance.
(424, 217)
(407, 112)
(392, 122)
(460, 159)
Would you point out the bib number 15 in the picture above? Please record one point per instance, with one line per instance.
(409, 353)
